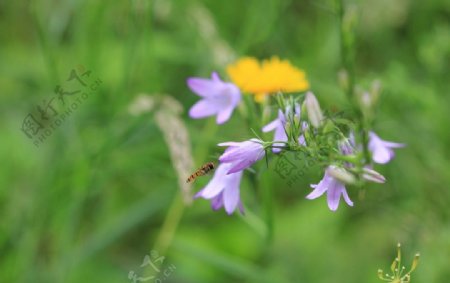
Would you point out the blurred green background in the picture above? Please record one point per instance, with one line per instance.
(90, 202)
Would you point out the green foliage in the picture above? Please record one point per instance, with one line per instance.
(90, 202)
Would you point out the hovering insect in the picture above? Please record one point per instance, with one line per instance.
(205, 169)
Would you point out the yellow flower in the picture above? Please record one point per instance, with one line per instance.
(268, 77)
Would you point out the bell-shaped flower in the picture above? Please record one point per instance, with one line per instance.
(382, 151)
(218, 98)
(334, 189)
(242, 155)
(279, 125)
(223, 189)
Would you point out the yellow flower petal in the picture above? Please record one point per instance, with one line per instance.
(269, 77)
(243, 72)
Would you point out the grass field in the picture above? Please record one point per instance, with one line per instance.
(99, 191)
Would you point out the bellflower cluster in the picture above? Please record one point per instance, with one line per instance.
(344, 148)
(337, 176)
(220, 98)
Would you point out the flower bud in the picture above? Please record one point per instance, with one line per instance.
(315, 115)
(372, 175)
(341, 174)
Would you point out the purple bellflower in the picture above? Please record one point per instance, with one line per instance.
(223, 190)
(242, 155)
(280, 134)
(218, 98)
(333, 184)
(279, 126)
(382, 151)
(334, 188)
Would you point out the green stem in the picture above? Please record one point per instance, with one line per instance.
(345, 54)
(170, 224)
(47, 50)
(268, 211)
(348, 60)
(267, 205)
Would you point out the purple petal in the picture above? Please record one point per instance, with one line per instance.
(210, 191)
(297, 110)
(217, 202)
(236, 167)
(224, 115)
(232, 154)
(318, 191)
(229, 144)
(217, 183)
(301, 140)
(346, 197)
(321, 187)
(276, 150)
(202, 109)
(241, 207)
(204, 87)
(223, 189)
(280, 135)
(242, 155)
(275, 124)
(231, 148)
(334, 194)
(381, 150)
(215, 77)
(382, 155)
(393, 144)
(244, 150)
(243, 160)
(282, 117)
(305, 126)
(231, 198)
(271, 126)
(234, 94)
(219, 98)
